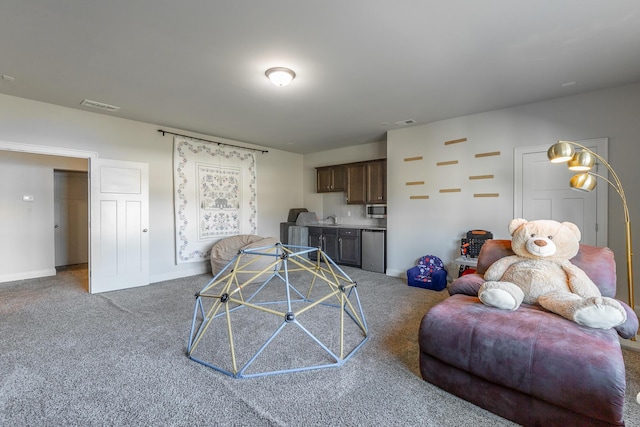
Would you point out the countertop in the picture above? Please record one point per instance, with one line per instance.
(356, 226)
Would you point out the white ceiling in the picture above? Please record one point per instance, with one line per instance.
(198, 65)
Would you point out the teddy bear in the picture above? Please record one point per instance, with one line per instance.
(541, 273)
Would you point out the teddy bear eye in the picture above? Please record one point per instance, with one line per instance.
(533, 235)
(550, 237)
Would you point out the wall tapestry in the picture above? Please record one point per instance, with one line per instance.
(215, 196)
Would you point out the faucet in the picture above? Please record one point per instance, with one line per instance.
(334, 217)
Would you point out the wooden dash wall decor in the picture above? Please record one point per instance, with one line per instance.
(451, 190)
(481, 177)
(449, 162)
(412, 159)
(455, 141)
(492, 153)
(418, 197)
(414, 183)
(486, 195)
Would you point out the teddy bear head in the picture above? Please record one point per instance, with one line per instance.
(544, 239)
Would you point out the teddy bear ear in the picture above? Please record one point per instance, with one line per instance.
(515, 224)
(574, 229)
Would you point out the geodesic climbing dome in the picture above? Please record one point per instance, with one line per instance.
(305, 315)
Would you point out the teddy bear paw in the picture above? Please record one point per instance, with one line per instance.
(600, 313)
(499, 298)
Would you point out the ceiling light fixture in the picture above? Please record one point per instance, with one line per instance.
(280, 76)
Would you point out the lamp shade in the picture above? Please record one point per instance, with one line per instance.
(581, 161)
(560, 152)
(280, 76)
(583, 182)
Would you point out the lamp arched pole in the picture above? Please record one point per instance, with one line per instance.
(617, 185)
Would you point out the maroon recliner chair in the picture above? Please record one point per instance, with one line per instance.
(529, 365)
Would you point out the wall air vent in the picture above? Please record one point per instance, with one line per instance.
(99, 105)
(406, 122)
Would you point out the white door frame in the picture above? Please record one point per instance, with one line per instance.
(64, 232)
(43, 149)
(602, 213)
(56, 151)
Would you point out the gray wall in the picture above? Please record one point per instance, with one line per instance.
(27, 244)
(435, 225)
(24, 121)
(415, 227)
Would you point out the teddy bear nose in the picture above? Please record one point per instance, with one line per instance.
(540, 242)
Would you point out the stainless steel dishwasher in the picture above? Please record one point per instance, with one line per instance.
(373, 250)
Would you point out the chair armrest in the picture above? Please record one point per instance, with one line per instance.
(629, 328)
(469, 284)
(439, 278)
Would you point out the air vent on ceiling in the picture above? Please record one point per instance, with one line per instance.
(406, 122)
(99, 105)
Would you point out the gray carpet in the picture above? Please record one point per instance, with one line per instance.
(68, 358)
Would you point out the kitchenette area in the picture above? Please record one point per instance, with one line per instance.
(353, 229)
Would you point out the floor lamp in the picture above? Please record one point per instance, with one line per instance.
(582, 161)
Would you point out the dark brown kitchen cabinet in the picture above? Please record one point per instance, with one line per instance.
(349, 247)
(377, 181)
(330, 179)
(356, 183)
(325, 238)
(342, 245)
(363, 182)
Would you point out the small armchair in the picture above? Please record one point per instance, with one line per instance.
(529, 365)
(430, 273)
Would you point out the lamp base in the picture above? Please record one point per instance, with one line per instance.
(630, 345)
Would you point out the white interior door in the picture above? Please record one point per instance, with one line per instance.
(542, 192)
(119, 256)
(71, 216)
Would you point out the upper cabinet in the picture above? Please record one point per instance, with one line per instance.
(330, 178)
(377, 181)
(364, 182)
(356, 184)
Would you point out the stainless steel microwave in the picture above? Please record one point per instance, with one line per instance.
(376, 211)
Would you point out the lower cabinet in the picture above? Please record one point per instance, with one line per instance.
(315, 241)
(349, 247)
(342, 245)
(326, 239)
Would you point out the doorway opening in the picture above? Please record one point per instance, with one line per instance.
(37, 252)
(71, 224)
(71, 217)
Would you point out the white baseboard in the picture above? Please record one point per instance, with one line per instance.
(196, 269)
(631, 345)
(27, 275)
(396, 273)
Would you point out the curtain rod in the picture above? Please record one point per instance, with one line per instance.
(163, 132)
